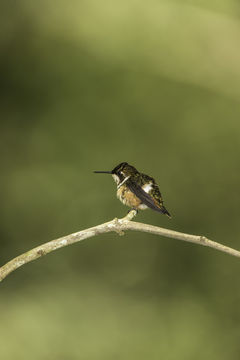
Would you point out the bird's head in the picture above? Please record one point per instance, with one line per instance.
(120, 172)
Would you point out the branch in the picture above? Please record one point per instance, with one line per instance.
(116, 225)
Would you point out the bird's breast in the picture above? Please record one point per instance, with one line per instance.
(127, 197)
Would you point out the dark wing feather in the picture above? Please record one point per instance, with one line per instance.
(143, 196)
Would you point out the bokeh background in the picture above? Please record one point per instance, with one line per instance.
(86, 85)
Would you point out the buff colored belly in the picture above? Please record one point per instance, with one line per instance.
(129, 199)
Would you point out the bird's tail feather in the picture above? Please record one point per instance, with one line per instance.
(164, 211)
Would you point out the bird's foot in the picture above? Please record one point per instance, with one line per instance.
(133, 209)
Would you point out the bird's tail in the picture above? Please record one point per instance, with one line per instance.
(164, 211)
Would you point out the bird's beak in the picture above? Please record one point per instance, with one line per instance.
(102, 172)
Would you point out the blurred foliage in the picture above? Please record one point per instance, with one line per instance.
(86, 85)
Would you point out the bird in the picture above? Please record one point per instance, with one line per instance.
(135, 189)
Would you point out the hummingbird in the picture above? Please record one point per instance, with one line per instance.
(135, 189)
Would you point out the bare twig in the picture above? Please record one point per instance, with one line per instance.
(116, 225)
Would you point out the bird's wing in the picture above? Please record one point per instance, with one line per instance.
(142, 195)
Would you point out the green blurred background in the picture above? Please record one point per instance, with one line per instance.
(86, 85)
